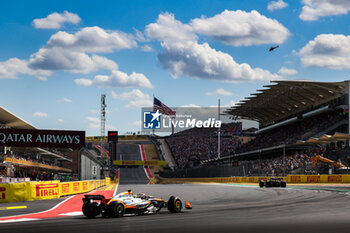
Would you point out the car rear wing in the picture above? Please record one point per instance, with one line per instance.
(88, 198)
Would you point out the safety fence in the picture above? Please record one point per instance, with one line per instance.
(13, 180)
(29, 191)
(294, 179)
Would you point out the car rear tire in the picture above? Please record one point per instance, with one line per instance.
(174, 204)
(283, 184)
(91, 210)
(261, 183)
(116, 209)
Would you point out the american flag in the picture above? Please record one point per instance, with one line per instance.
(158, 105)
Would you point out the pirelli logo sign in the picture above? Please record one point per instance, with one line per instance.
(46, 190)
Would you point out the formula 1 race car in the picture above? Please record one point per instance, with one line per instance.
(129, 204)
(273, 182)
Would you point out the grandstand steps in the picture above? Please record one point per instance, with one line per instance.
(167, 155)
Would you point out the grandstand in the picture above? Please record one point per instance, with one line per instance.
(32, 163)
(296, 122)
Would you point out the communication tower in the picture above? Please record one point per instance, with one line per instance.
(103, 114)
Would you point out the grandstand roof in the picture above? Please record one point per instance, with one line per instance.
(285, 98)
(10, 120)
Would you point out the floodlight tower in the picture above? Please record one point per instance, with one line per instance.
(103, 114)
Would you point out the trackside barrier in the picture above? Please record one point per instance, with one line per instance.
(255, 179)
(14, 192)
(318, 179)
(29, 191)
(293, 179)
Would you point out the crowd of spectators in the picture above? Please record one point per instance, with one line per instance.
(300, 161)
(34, 173)
(289, 134)
(189, 150)
(191, 146)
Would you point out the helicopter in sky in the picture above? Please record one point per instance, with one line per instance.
(273, 48)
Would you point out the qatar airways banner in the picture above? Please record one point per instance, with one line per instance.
(42, 138)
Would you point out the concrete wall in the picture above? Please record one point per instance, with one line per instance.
(86, 165)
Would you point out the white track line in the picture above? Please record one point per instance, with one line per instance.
(56, 206)
(19, 220)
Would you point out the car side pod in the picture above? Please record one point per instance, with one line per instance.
(188, 205)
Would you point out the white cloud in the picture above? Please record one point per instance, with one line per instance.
(232, 103)
(69, 52)
(61, 120)
(286, 71)
(83, 82)
(190, 106)
(183, 55)
(135, 97)
(93, 122)
(167, 28)
(219, 91)
(328, 51)
(92, 40)
(147, 48)
(12, 67)
(111, 127)
(40, 114)
(56, 20)
(313, 9)
(276, 5)
(94, 111)
(68, 60)
(64, 100)
(224, 106)
(116, 79)
(201, 61)
(139, 36)
(240, 28)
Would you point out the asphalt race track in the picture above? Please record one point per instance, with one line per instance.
(135, 175)
(217, 208)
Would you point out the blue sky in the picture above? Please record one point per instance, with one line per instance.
(58, 57)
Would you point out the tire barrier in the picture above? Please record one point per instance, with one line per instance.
(30, 191)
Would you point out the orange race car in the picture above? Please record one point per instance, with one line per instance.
(129, 204)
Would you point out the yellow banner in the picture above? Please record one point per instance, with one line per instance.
(43, 190)
(29, 191)
(13, 192)
(318, 178)
(139, 162)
